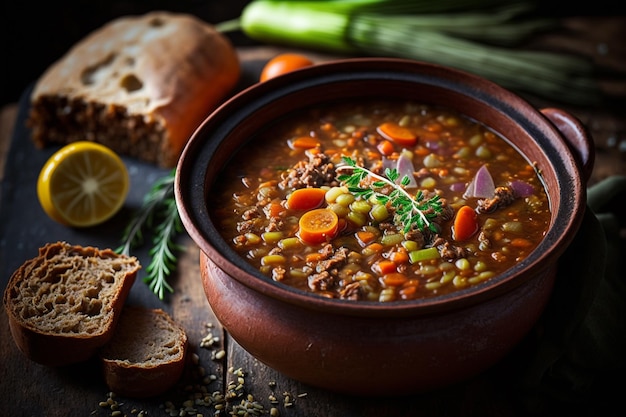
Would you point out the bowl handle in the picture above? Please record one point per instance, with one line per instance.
(577, 137)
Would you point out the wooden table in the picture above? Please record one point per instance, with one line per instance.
(30, 389)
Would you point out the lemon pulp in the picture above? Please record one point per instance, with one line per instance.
(83, 184)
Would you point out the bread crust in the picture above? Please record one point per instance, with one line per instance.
(33, 329)
(171, 69)
(136, 362)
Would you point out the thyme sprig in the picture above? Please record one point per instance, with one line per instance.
(409, 210)
(159, 213)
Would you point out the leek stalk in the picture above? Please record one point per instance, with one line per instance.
(472, 35)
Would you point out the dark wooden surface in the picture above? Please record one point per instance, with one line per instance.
(29, 389)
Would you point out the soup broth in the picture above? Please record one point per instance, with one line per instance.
(380, 201)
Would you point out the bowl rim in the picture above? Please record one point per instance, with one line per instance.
(191, 185)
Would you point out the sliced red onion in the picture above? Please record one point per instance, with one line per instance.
(457, 187)
(405, 167)
(481, 186)
(521, 188)
(388, 163)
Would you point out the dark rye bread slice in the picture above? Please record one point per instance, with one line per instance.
(146, 355)
(64, 304)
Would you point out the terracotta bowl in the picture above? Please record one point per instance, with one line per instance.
(383, 348)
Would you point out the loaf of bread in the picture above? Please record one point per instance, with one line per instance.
(140, 85)
(146, 355)
(64, 304)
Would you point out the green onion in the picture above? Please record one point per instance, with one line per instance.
(478, 36)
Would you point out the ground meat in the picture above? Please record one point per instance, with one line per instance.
(504, 196)
(387, 227)
(416, 236)
(351, 291)
(447, 213)
(321, 282)
(275, 224)
(337, 259)
(449, 251)
(278, 273)
(252, 213)
(315, 172)
(483, 240)
(247, 226)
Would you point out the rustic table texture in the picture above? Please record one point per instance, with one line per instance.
(30, 389)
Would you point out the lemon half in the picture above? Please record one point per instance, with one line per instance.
(83, 184)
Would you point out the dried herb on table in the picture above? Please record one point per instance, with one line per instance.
(159, 214)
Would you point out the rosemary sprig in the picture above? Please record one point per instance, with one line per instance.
(159, 212)
(409, 210)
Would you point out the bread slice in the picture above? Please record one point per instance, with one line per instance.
(63, 305)
(146, 355)
(140, 85)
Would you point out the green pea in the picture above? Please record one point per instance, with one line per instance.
(272, 237)
(483, 152)
(289, 243)
(357, 218)
(361, 206)
(379, 212)
(273, 260)
(344, 199)
(341, 211)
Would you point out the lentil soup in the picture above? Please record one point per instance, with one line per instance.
(380, 201)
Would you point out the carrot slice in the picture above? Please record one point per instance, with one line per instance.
(465, 223)
(304, 142)
(317, 226)
(306, 198)
(398, 134)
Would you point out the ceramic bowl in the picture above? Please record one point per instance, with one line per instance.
(371, 348)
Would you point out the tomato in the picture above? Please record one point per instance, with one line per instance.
(284, 63)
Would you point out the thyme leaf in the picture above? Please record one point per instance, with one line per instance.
(158, 213)
(410, 211)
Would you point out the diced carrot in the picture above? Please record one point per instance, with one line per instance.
(306, 198)
(304, 142)
(434, 127)
(465, 223)
(313, 257)
(384, 267)
(385, 147)
(318, 225)
(520, 242)
(407, 292)
(327, 127)
(275, 210)
(394, 279)
(400, 256)
(365, 237)
(421, 151)
(398, 134)
(373, 156)
(372, 248)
